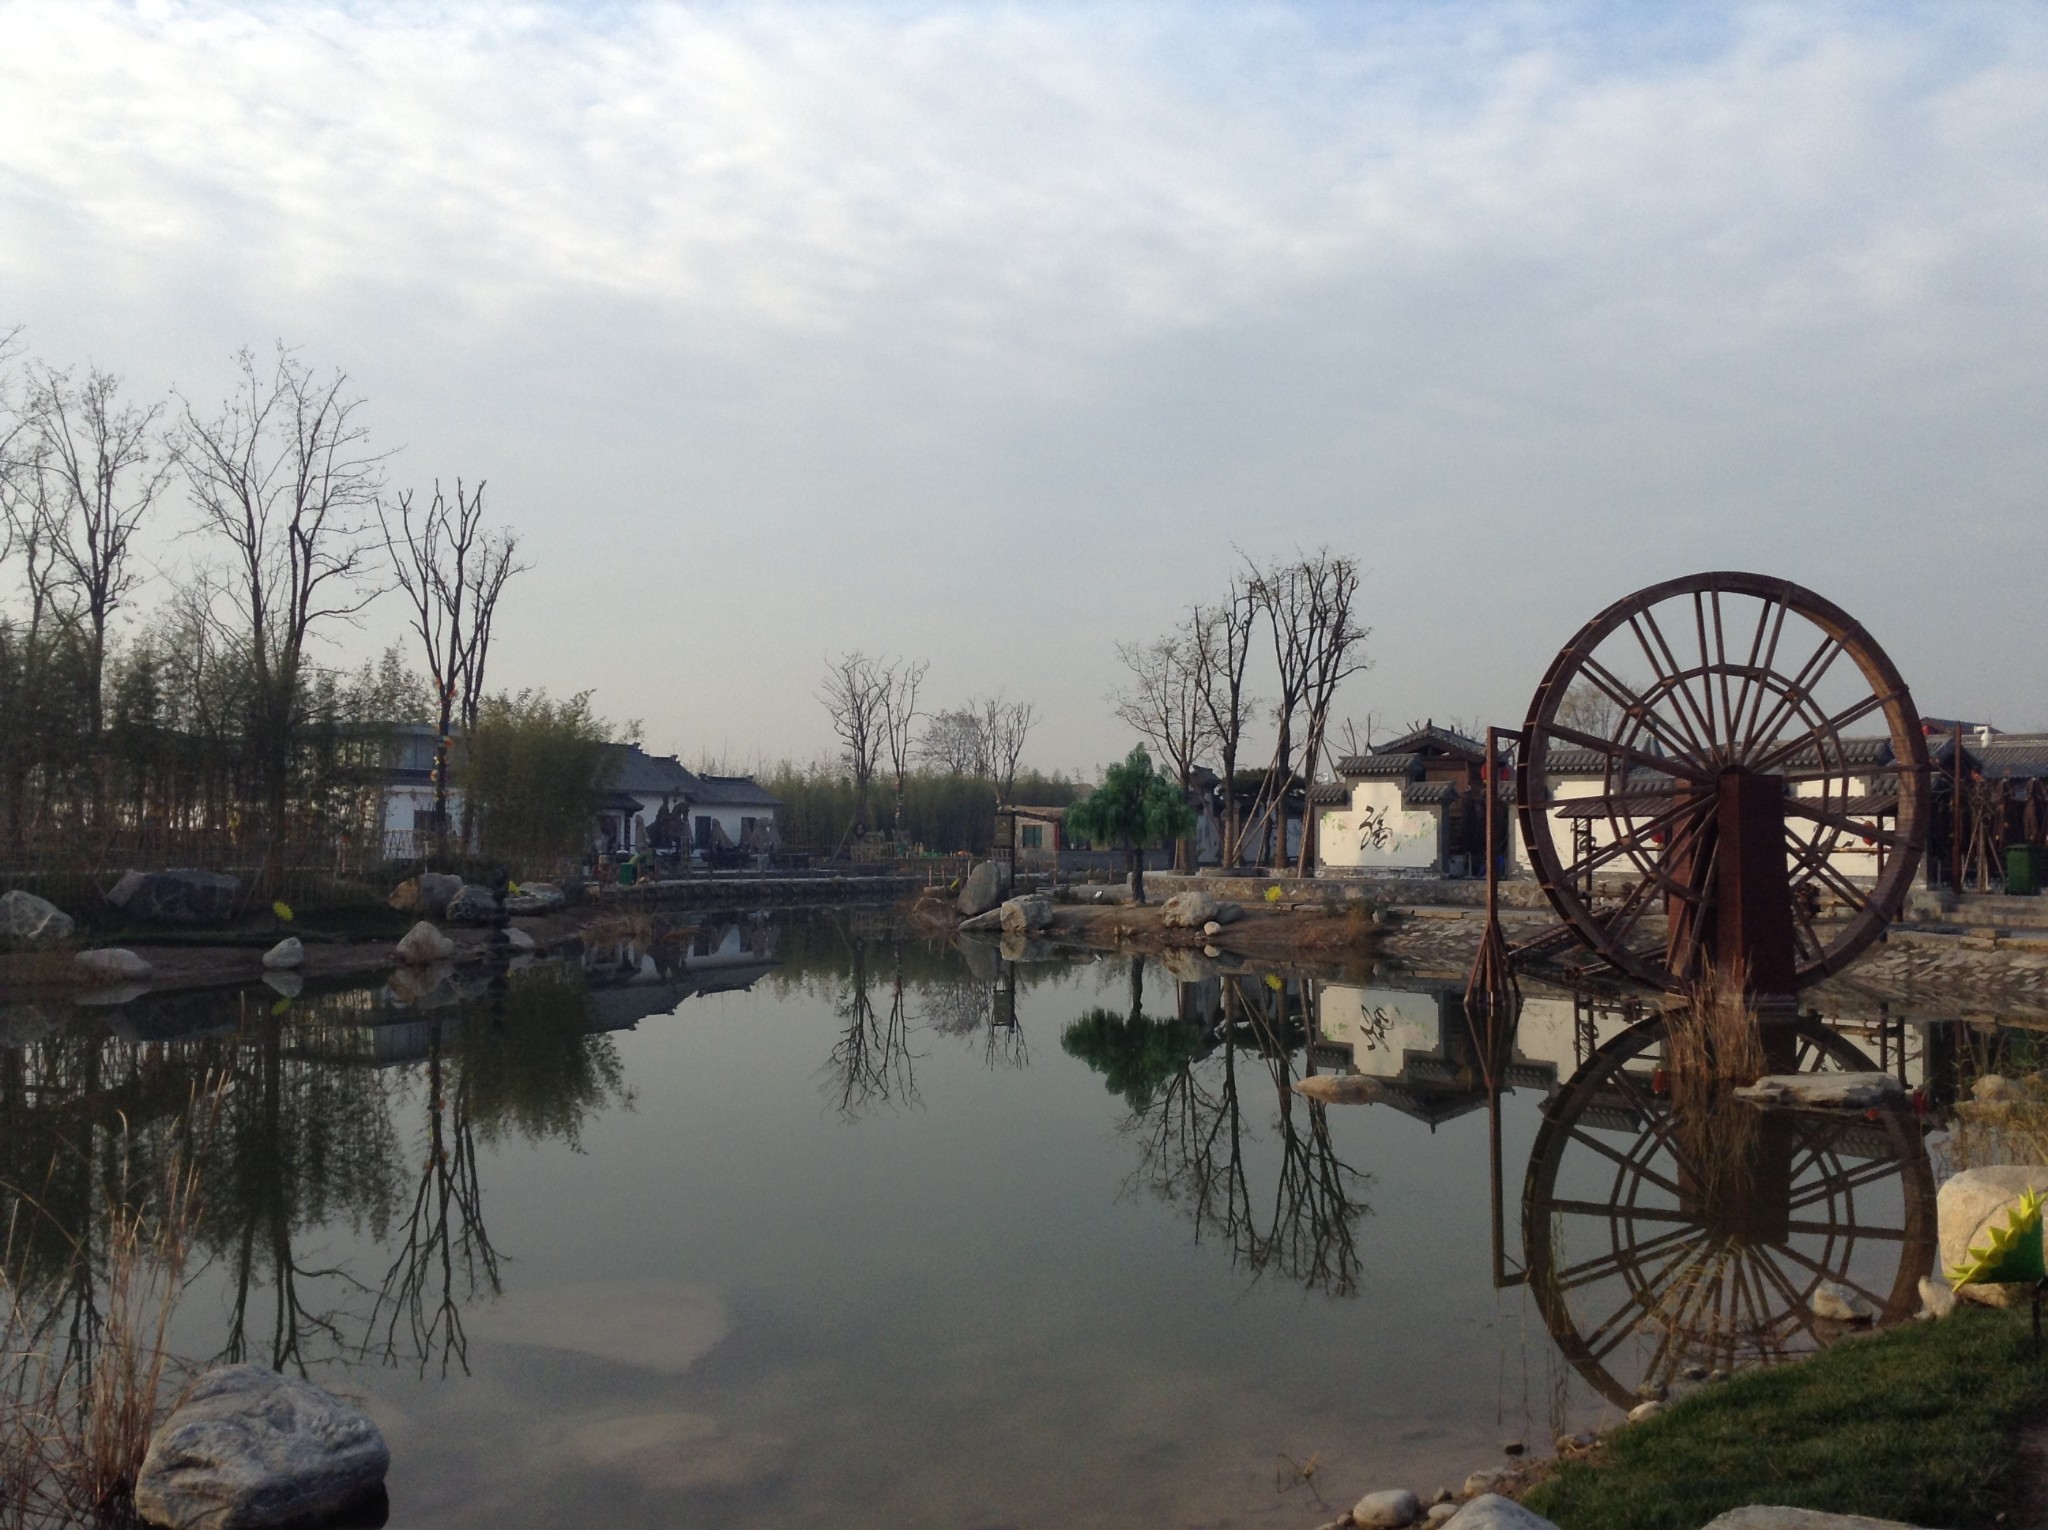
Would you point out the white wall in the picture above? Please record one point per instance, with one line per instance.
(1414, 835)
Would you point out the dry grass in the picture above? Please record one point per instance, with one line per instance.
(83, 1358)
(1713, 1046)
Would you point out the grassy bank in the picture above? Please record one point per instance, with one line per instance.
(1916, 1424)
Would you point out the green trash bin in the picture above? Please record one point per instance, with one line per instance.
(2026, 867)
(628, 873)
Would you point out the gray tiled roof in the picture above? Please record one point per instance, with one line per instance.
(1433, 736)
(732, 791)
(1378, 765)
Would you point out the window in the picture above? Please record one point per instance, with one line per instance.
(1034, 836)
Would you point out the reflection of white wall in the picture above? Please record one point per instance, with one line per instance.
(1852, 856)
(1414, 836)
(1378, 1024)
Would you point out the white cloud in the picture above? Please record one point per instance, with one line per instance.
(887, 285)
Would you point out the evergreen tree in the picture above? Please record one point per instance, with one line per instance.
(1137, 806)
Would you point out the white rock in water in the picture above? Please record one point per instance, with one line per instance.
(1021, 915)
(424, 945)
(285, 955)
(29, 919)
(1440, 1513)
(519, 940)
(1484, 1482)
(1842, 1091)
(1490, 1511)
(1936, 1299)
(1339, 1088)
(114, 965)
(1642, 1412)
(1964, 1211)
(1389, 1510)
(1762, 1517)
(1839, 1304)
(1212, 929)
(246, 1448)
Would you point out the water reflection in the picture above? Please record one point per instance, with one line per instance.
(1192, 1082)
(355, 1185)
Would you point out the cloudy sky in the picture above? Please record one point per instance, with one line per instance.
(990, 333)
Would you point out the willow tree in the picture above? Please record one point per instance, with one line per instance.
(1134, 805)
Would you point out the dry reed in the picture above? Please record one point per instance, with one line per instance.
(85, 1357)
(1713, 1045)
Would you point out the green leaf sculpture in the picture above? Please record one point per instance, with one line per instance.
(2012, 1253)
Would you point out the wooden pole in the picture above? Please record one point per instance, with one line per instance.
(1955, 802)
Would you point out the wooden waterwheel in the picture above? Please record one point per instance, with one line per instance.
(1724, 768)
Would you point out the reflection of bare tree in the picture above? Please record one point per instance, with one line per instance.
(1198, 1152)
(445, 1233)
(958, 1004)
(872, 1064)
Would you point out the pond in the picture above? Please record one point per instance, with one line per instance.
(807, 1219)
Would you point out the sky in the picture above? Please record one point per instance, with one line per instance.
(996, 335)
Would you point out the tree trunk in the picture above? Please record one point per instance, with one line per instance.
(1137, 855)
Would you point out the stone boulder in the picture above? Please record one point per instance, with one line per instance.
(1490, 1511)
(426, 894)
(1022, 915)
(1189, 911)
(983, 922)
(519, 940)
(1826, 1091)
(287, 955)
(28, 920)
(536, 898)
(1393, 1509)
(1838, 1304)
(177, 897)
(1764, 1517)
(113, 965)
(246, 1448)
(473, 905)
(987, 885)
(1964, 1211)
(1936, 1299)
(423, 945)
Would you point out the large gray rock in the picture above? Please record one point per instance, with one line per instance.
(426, 894)
(246, 1448)
(987, 885)
(1390, 1510)
(1022, 915)
(1828, 1091)
(1763, 1517)
(178, 897)
(473, 905)
(28, 920)
(991, 920)
(285, 956)
(1490, 1511)
(1838, 1304)
(1964, 1211)
(1189, 910)
(113, 965)
(423, 945)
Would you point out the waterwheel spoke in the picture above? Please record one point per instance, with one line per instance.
(1632, 841)
(1790, 698)
(1830, 726)
(1634, 706)
(1749, 696)
(1639, 1301)
(1799, 807)
(1842, 1181)
(1641, 1171)
(1607, 1266)
(1672, 678)
(1817, 862)
(1795, 1297)
(1839, 1277)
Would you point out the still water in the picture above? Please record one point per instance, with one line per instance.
(816, 1218)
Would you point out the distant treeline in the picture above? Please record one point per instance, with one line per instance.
(943, 812)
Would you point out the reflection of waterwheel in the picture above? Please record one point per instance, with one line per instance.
(1734, 796)
(1636, 1225)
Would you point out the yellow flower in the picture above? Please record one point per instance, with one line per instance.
(1273, 893)
(283, 910)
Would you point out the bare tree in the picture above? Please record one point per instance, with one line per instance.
(1223, 636)
(855, 694)
(284, 478)
(30, 537)
(1165, 703)
(953, 739)
(1333, 652)
(1588, 709)
(451, 571)
(97, 468)
(899, 716)
(1004, 727)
